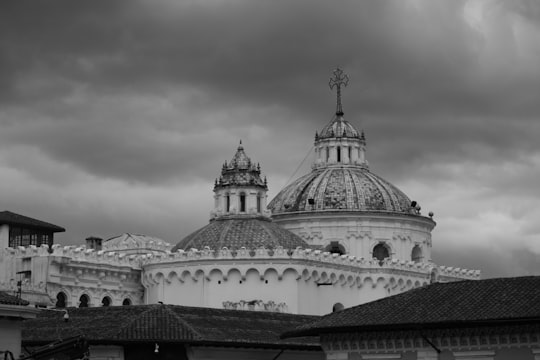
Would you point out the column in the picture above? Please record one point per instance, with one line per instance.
(354, 154)
(474, 355)
(345, 154)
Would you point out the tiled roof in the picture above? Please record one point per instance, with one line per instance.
(153, 323)
(7, 299)
(8, 217)
(462, 303)
(241, 231)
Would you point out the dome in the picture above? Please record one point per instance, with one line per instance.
(235, 232)
(349, 188)
(337, 128)
(240, 171)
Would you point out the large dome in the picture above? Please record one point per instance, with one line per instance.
(235, 232)
(349, 188)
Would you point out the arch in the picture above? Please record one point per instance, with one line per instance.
(381, 251)
(337, 307)
(106, 301)
(216, 274)
(84, 301)
(171, 276)
(61, 300)
(335, 248)
(288, 270)
(416, 254)
(126, 302)
(253, 272)
(242, 202)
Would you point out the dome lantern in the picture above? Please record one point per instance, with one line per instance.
(339, 142)
(240, 189)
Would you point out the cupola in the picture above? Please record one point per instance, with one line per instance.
(339, 143)
(240, 189)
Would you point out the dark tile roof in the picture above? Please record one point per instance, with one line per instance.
(7, 299)
(241, 231)
(155, 323)
(11, 218)
(461, 303)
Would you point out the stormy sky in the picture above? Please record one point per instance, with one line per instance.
(115, 116)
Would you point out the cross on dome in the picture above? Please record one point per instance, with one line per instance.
(339, 79)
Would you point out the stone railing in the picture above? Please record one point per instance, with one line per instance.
(78, 254)
(299, 254)
(82, 254)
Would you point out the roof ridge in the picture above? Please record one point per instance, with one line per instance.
(140, 324)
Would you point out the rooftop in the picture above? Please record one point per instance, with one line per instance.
(172, 323)
(453, 304)
(11, 218)
(6, 299)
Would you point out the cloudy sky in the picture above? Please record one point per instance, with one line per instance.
(115, 116)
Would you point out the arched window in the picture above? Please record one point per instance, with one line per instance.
(242, 202)
(106, 301)
(61, 300)
(335, 248)
(338, 154)
(416, 254)
(337, 307)
(126, 302)
(228, 202)
(84, 301)
(380, 252)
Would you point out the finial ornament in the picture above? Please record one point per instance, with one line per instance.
(339, 79)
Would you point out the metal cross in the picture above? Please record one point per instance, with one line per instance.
(339, 79)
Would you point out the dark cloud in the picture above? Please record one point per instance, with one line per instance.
(157, 94)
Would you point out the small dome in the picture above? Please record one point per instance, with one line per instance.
(338, 127)
(235, 232)
(240, 171)
(341, 188)
(132, 242)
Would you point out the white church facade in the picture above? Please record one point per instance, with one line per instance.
(336, 237)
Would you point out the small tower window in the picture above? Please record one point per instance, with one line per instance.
(61, 300)
(349, 148)
(416, 254)
(228, 202)
(338, 154)
(242, 202)
(327, 154)
(84, 300)
(335, 248)
(380, 252)
(259, 200)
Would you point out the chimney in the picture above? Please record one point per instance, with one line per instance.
(93, 242)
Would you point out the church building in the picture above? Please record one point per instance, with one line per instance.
(336, 237)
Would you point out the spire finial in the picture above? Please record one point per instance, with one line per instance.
(339, 79)
(240, 147)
